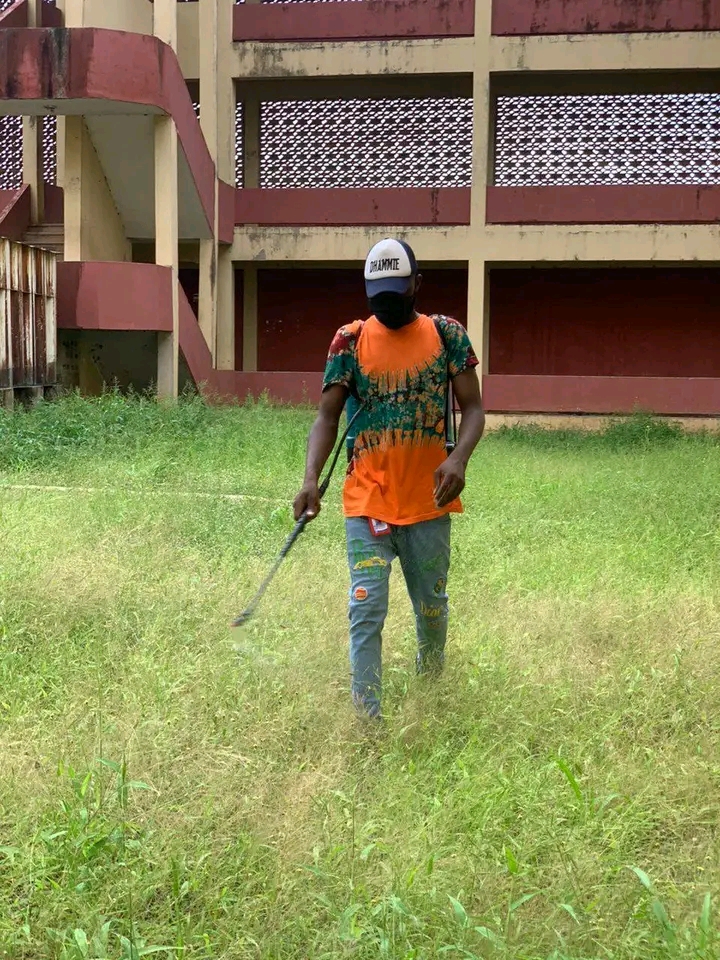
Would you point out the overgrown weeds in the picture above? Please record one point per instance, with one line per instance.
(167, 788)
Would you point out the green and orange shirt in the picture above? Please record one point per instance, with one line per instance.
(401, 377)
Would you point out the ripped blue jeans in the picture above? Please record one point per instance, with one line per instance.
(423, 550)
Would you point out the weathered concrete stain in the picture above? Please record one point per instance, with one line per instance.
(54, 62)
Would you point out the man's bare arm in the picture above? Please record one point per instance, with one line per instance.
(450, 475)
(320, 445)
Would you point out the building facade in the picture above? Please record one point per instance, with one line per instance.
(212, 174)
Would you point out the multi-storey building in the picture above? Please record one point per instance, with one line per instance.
(213, 173)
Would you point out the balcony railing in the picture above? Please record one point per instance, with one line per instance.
(361, 20)
(525, 17)
(411, 206)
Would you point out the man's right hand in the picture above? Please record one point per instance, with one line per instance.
(307, 501)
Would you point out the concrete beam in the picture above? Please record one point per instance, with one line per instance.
(497, 244)
(605, 52)
(345, 244)
(340, 59)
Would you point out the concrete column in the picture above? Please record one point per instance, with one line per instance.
(226, 97)
(208, 54)
(225, 293)
(71, 147)
(207, 292)
(250, 319)
(478, 310)
(165, 21)
(478, 326)
(166, 246)
(481, 112)
(251, 142)
(74, 11)
(33, 166)
(35, 13)
(217, 119)
(166, 210)
(61, 151)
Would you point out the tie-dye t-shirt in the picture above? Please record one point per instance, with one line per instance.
(401, 377)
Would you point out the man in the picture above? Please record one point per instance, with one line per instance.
(401, 485)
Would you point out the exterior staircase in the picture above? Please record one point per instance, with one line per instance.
(49, 236)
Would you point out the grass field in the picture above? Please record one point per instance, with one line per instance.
(556, 794)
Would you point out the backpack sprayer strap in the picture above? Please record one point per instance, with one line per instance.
(450, 415)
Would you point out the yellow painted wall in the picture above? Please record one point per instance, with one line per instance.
(188, 39)
(133, 16)
(93, 227)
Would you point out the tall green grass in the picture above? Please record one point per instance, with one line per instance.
(168, 787)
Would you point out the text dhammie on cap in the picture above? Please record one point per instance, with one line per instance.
(389, 267)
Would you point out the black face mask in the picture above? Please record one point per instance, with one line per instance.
(393, 310)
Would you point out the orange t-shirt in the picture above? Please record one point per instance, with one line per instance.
(400, 376)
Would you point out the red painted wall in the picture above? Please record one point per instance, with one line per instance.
(404, 206)
(15, 16)
(602, 322)
(300, 310)
(113, 296)
(361, 20)
(604, 204)
(673, 396)
(14, 212)
(521, 17)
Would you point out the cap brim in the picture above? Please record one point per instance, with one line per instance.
(388, 285)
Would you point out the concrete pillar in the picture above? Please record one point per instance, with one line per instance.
(225, 293)
(61, 151)
(33, 166)
(165, 21)
(251, 142)
(166, 246)
(71, 147)
(35, 13)
(481, 112)
(208, 54)
(250, 319)
(217, 119)
(478, 326)
(166, 210)
(207, 292)
(74, 11)
(478, 310)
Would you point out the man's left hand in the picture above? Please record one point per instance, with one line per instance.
(449, 482)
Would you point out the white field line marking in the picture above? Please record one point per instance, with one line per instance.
(231, 497)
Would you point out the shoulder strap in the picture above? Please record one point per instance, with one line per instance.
(436, 319)
(353, 388)
(450, 417)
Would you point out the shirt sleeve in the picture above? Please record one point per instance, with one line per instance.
(461, 355)
(340, 364)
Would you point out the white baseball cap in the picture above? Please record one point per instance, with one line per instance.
(390, 267)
